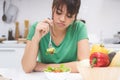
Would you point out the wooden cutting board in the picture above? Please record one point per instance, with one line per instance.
(104, 73)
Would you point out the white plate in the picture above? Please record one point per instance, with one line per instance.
(10, 42)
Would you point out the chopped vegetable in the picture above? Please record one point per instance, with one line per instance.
(51, 50)
(61, 68)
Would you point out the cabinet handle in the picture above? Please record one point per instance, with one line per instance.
(7, 50)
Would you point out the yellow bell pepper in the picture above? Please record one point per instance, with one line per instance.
(98, 48)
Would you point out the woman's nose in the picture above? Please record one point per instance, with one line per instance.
(62, 18)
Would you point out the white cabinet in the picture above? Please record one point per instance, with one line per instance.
(19, 53)
(11, 57)
(7, 56)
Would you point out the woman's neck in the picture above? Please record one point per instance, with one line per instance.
(57, 32)
(58, 36)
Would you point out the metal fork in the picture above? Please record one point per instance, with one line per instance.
(50, 42)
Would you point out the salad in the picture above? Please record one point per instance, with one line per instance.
(51, 50)
(61, 68)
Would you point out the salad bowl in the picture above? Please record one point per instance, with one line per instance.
(58, 73)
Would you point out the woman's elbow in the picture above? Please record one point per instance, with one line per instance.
(26, 68)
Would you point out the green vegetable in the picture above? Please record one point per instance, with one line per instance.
(51, 50)
(61, 68)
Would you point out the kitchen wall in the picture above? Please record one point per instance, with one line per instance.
(102, 16)
(32, 10)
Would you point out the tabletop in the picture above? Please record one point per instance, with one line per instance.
(109, 73)
(19, 74)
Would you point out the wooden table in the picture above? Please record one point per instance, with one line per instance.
(104, 73)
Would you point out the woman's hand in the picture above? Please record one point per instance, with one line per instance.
(42, 29)
(40, 67)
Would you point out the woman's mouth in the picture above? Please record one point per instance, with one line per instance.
(61, 24)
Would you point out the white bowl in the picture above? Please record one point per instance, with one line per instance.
(57, 76)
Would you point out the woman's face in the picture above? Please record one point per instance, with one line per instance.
(62, 19)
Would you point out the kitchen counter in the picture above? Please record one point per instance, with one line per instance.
(18, 74)
(111, 46)
(23, 45)
(87, 74)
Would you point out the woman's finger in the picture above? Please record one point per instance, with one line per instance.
(49, 21)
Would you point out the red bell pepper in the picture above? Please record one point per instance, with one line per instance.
(98, 59)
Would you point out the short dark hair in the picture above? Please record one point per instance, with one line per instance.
(72, 6)
(83, 20)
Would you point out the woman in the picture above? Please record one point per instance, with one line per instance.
(69, 38)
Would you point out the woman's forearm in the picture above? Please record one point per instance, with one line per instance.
(30, 55)
(71, 65)
(31, 50)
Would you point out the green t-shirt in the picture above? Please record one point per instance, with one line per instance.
(67, 50)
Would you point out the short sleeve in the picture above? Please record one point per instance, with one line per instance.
(31, 31)
(81, 31)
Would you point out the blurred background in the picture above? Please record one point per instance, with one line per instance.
(102, 19)
(101, 16)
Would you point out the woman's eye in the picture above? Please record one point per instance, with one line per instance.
(69, 16)
(59, 12)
